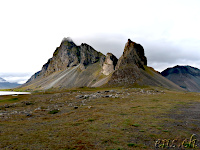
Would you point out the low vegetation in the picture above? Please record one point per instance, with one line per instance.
(98, 118)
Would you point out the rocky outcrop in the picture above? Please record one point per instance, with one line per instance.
(129, 65)
(186, 77)
(133, 54)
(132, 70)
(109, 64)
(68, 54)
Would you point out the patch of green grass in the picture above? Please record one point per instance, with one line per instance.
(123, 114)
(9, 100)
(55, 111)
(117, 149)
(151, 107)
(183, 103)
(12, 99)
(141, 131)
(152, 135)
(136, 125)
(132, 145)
(90, 120)
(77, 124)
(136, 106)
(155, 100)
(127, 122)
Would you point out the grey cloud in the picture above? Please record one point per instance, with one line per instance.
(161, 53)
(106, 43)
(16, 77)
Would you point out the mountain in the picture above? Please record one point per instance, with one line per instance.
(187, 77)
(78, 66)
(7, 85)
(2, 80)
(70, 66)
(132, 69)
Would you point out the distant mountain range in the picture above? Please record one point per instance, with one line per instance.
(77, 66)
(7, 85)
(186, 77)
(2, 80)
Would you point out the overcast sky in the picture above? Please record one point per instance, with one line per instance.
(30, 31)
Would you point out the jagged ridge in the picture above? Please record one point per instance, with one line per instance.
(76, 66)
(68, 54)
(70, 66)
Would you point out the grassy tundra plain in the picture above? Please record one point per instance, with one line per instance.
(101, 118)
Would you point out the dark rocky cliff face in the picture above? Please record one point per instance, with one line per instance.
(68, 54)
(129, 65)
(131, 70)
(186, 77)
(133, 54)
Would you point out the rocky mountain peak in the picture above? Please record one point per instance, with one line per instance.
(67, 43)
(181, 70)
(68, 54)
(68, 39)
(187, 77)
(133, 54)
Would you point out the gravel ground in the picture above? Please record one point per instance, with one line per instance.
(187, 119)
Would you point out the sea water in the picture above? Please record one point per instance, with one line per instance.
(13, 93)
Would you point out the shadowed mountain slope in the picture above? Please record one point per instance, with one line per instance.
(186, 77)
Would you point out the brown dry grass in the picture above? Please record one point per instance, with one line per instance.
(134, 120)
